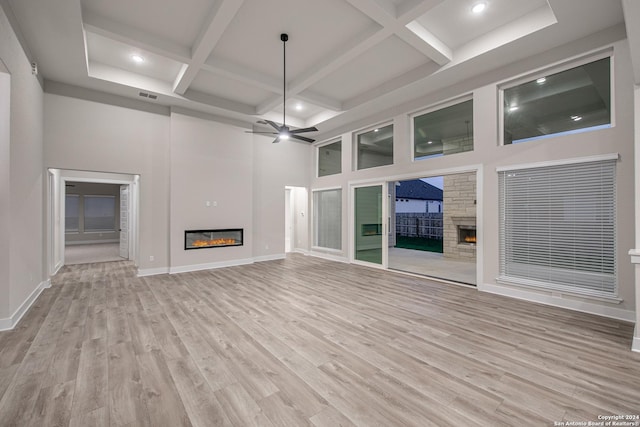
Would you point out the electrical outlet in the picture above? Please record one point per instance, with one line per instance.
(152, 258)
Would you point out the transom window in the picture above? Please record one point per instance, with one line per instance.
(444, 131)
(330, 159)
(574, 100)
(375, 147)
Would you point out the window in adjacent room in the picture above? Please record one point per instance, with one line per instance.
(558, 229)
(99, 213)
(570, 101)
(375, 147)
(72, 213)
(327, 219)
(330, 159)
(444, 131)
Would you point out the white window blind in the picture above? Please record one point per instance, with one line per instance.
(327, 218)
(557, 227)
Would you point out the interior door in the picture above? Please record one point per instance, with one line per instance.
(124, 221)
(370, 226)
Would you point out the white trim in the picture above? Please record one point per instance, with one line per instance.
(264, 258)
(561, 162)
(329, 256)
(11, 322)
(210, 266)
(635, 256)
(142, 272)
(571, 304)
(635, 344)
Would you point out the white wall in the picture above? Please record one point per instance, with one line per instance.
(92, 136)
(210, 162)
(22, 274)
(488, 155)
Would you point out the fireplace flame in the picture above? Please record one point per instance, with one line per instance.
(470, 239)
(214, 242)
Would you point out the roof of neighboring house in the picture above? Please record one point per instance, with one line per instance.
(417, 189)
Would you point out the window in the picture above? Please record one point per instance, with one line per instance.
(445, 131)
(375, 148)
(327, 219)
(557, 227)
(570, 101)
(99, 213)
(72, 213)
(330, 159)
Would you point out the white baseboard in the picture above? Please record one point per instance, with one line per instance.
(152, 271)
(330, 257)
(209, 266)
(571, 304)
(11, 322)
(274, 257)
(635, 344)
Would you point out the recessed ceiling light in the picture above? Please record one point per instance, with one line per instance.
(541, 80)
(513, 108)
(298, 106)
(138, 59)
(576, 118)
(376, 130)
(429, 142)
(479, 7)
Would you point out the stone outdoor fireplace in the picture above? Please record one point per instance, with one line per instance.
(459, 216)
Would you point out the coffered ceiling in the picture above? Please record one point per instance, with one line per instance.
(344, 57)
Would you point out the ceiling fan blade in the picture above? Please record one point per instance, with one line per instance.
(276, 140)
(303, 130)
(261, 133)
(273, 125)
(302, 138)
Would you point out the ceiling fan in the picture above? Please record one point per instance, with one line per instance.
(284, 132)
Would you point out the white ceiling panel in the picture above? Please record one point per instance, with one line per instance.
(315, 28)
(389, 59)
(119, 55)
(176, 21)
(454, 24)
(227, 88)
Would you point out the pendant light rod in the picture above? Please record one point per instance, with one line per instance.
(284, 37)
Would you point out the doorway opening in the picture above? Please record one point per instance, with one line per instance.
(92, 217)
(433, 226)
(295, 219)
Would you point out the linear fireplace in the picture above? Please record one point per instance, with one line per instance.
(213, 238)
(467, 234)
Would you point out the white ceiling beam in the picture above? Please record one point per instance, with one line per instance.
(404, 26)
(631, 10)
(115, 31)
(320, 100)
(219, 20)
(242, 74)
(326, 66)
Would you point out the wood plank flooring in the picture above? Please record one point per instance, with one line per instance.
(304, 342)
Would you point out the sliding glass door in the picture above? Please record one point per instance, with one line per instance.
(369, 227)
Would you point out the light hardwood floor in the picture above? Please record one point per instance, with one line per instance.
(305, 341)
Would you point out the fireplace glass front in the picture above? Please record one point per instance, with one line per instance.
(200, 239)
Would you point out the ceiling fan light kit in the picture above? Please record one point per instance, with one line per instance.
(283, 132)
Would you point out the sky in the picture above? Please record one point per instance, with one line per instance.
(436, 181)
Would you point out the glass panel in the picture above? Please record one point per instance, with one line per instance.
(99, 213)
(368, 224)
(375, 148)
(71, 213)
(574, 100)
(445, 131)
(327, 217)
(330, 159)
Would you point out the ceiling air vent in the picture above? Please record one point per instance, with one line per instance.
(148, 95)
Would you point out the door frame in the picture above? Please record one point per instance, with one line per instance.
(385, 222)
(56, 194)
